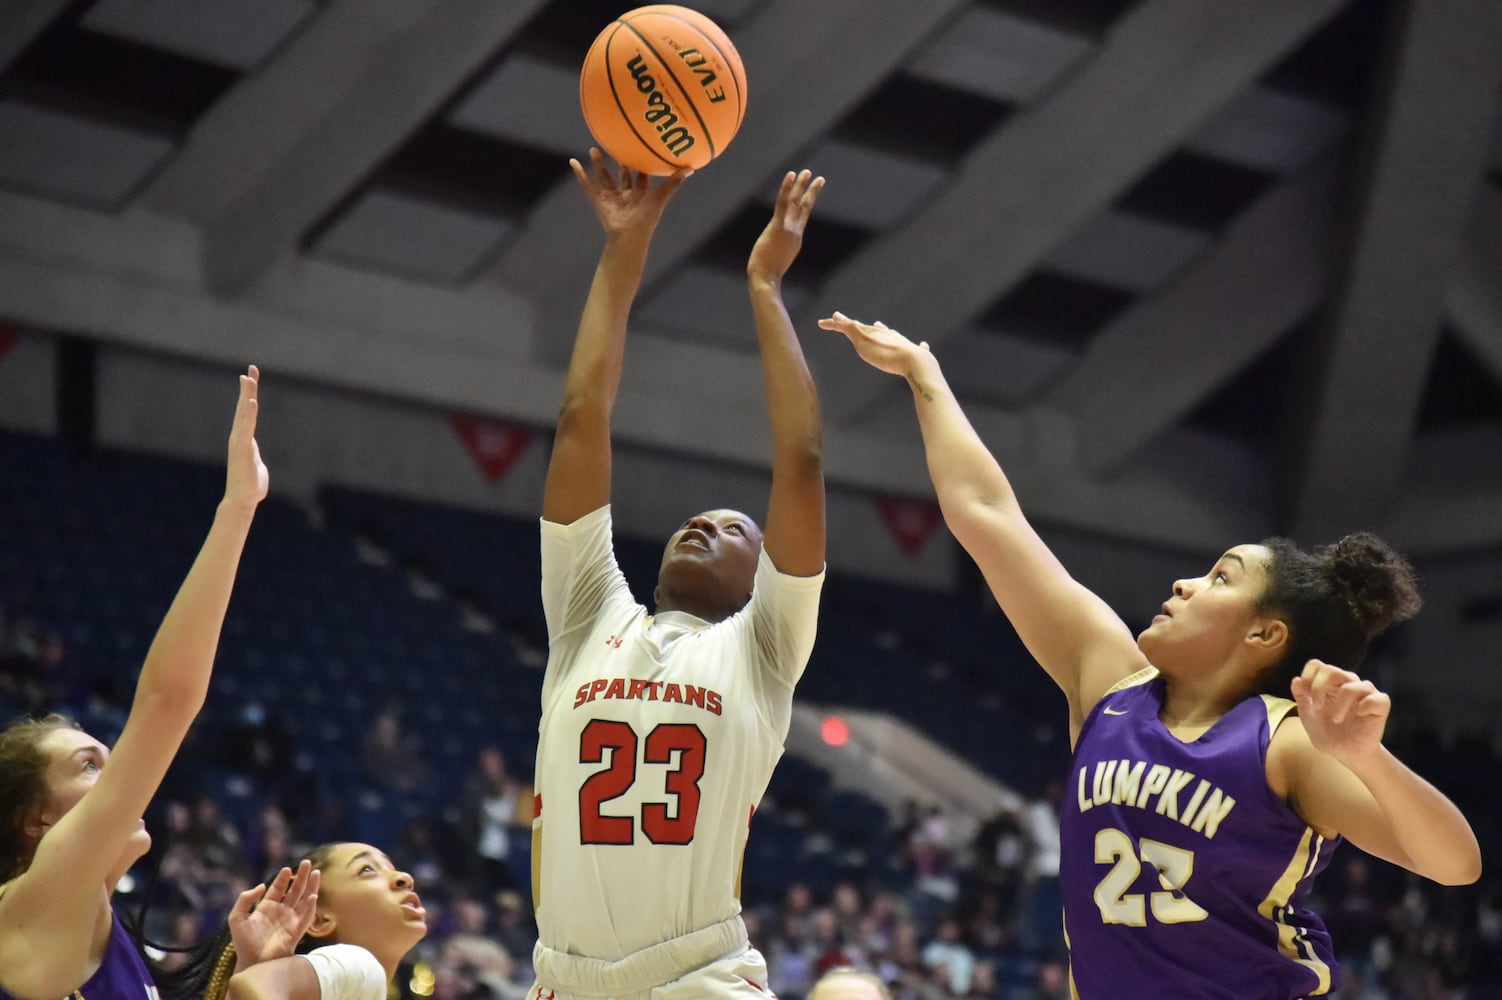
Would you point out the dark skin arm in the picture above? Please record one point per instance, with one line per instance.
(629, 207)
(794, 533)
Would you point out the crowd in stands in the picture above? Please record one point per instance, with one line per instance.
(934, 918)
(935, 915)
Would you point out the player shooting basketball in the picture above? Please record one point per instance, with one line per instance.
(660, 730)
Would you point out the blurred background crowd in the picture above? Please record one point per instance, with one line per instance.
(368, 689)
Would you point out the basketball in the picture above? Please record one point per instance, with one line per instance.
(662, 87)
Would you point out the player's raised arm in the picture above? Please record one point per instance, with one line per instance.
(87, 829)
(1082, 643)
(794, 533)
(629, 207)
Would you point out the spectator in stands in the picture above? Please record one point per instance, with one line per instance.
(481, 966)
(215, 839)
(1358, 916)
(193, 871)
(72, 822)
(494, 805)
(1001, 854)
(848, 911)
(35, 672)
(988, 924)
(983, 983)
(949, 957)
(792, 955)
(1053, 981)
(270, 841)
(932, 855)
(424, 857)
(514, 928)
(392, 757)
(1040, 900)
(259, 745)
(830, 947)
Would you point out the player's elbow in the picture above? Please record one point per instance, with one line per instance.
(1464, 871)
(1457, 864)
(801, 458)
(974, 517)
(583, 412)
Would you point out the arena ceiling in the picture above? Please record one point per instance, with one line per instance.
(1198, 270)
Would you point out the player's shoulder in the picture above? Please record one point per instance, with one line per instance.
(1289, 749)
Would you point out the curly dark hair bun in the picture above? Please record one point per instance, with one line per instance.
(1378, 585)
(1335, 600)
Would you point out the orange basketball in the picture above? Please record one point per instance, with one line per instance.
(663, 87)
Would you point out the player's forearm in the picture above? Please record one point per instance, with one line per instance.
(594, 371)
(181, 656)
(1430, 829)
(967, 478)
(792, 399)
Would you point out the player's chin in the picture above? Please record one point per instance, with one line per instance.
(415, 929)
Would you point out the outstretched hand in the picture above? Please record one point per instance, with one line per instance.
(880, 346)
(628, 201)
(779, 243)
(1343, 714)
(268, 921)
(246, 479)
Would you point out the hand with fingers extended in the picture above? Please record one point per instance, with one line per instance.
(880, 346)
(1343, 714)
(778, 246)
(246, 479)
(625, 201)
(268, 921)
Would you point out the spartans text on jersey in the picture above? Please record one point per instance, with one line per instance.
(637, 689)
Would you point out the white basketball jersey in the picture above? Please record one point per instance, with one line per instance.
(658, 737)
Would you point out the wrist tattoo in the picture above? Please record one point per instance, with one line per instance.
(919, 389)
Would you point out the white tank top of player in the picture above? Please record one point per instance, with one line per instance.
(658, 737)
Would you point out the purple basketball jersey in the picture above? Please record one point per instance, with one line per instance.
(1183, 874)
(121, 976)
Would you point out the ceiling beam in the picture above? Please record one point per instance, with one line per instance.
(287, 143)
(804, 73)
(1473, 291)
(21, 21)
(1267, 273)
(1428, 144)
(1446, 525)
(127, 279)
(1162, 72)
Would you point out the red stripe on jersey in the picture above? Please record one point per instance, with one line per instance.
(537, 805)
(760, 988)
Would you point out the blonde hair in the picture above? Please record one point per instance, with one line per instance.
(851, 972)
(23, 786)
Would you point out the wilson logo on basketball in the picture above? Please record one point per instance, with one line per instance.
(658, 113)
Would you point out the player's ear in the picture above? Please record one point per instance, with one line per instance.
(1270, 634)
(324, 922)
